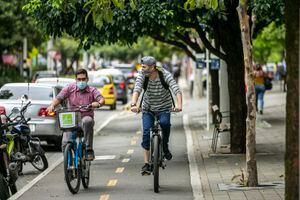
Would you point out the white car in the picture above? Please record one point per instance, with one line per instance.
(43, 124)
(59, 81)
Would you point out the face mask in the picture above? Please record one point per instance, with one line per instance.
(146, 72)
(81, 85)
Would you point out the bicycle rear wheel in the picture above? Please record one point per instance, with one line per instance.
(72, 174)
(156, 162)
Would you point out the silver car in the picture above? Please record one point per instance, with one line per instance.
(42, 124)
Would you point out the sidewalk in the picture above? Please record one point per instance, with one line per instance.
(216, 169)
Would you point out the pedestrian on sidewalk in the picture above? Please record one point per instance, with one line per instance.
(156, 100)
(259, 82)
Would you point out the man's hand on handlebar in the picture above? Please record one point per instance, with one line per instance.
(177, 109)
(96, 105)
(50, 108)
(135, 109)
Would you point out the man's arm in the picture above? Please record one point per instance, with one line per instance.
(135, 97)
(54, 103)
(179, 102)
(98, 103)
(98, 99)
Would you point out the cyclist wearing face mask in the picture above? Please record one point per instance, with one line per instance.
(78, 94)
(157, 99)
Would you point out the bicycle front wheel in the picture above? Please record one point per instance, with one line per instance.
(85, 173)
(72, 173)
(156, 163)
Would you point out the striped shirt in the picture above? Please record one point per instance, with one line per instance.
(157, 98)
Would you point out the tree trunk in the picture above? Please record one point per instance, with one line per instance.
(230, 41)
(251, 167)
(292, 100)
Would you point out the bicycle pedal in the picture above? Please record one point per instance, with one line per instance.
(146, 173)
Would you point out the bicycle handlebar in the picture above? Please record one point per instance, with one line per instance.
(76, 108)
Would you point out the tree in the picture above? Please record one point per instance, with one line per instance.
(165, 21)
(251, 167)
(15, 25)
(144, 46)
(292, 100)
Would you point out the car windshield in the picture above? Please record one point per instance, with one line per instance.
(33, 93)
(99, 81)
(125, 70)
(55, 82)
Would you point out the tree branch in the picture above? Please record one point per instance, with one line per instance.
(175, 43)
(207, 44)
(186, 39)
(203, 38)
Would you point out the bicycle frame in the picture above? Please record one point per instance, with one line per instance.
(78, 146)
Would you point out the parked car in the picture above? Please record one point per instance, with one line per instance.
(43, 124)
(43, 74)
(119, 81)
(106, 86)
(59, 81)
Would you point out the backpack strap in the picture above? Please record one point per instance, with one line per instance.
(163, 82)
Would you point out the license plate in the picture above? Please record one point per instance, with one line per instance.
(32, 127)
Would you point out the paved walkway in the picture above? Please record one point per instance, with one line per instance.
(215, 169)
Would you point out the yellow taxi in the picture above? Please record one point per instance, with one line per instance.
(106, 86)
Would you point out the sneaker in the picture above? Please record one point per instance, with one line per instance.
(168, 155)
(146, 169)
(90, 155)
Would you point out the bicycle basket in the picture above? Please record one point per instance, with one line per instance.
(69, 120)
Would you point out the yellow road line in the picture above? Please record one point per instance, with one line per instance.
(130, 151)
(112, 182)
(104, 197)
(125, 160)
(119, 170)
(133, 142)
(135, 137)
(138, 132)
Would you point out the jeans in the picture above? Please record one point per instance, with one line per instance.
(260, 91)
(148, 121)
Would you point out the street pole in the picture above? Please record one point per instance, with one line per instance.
(24, 55)
(207, 61)
(49, 59)
(224, 100)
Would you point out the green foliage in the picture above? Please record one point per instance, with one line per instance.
(15, 25)
(193, 4)
(269, 44)
(144, 46)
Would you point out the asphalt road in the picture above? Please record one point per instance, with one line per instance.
(115, 173)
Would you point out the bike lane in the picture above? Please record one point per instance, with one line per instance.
(115, 174)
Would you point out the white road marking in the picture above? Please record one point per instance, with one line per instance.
(106, 122)
(194, 173)
(36, 179)
(106, 157)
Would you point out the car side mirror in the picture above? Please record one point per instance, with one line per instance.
(24, 97)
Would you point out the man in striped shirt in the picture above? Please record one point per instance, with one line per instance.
(157, 99)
